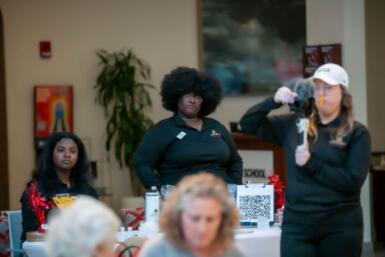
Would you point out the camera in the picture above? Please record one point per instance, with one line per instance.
(304, 102)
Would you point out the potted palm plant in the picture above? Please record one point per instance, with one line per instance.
(122, 90)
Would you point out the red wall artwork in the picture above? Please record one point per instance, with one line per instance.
(53, 111)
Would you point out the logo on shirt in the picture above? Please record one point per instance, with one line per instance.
(215, 134)
(338, 141)
(63, 200)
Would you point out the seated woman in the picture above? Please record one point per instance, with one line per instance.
(188, 141)
(86, 229)
(198, 219)
(62, 171)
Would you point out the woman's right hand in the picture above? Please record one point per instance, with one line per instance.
(284, 96)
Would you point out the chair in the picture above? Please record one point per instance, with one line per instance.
(15, 230)
(131, 246)
(132, 211)
(4, 235)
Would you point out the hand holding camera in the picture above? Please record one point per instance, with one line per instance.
(304, 104)
(284, 96)
(299, 95)
(300, 98)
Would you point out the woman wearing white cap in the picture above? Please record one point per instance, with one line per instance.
(323, 215)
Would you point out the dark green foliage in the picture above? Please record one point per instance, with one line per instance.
(122, 89)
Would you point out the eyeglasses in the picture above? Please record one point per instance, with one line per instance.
(192, 97)
(324, 89)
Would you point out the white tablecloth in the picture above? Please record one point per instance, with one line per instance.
(254, 242)
(258, 242)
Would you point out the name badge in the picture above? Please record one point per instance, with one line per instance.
(181, 135)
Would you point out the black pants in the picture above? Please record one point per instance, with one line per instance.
(338, 234)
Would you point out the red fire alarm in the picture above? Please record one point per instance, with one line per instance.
(45, 49)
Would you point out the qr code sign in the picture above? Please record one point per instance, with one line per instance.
(252, 206)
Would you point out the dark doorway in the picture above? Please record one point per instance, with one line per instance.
(4, 183)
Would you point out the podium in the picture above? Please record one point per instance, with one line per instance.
(251, 142)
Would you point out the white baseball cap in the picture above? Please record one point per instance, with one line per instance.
(332, 74)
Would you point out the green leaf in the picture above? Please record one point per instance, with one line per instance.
(122, 89)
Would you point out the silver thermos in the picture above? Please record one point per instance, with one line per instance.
(152, 205)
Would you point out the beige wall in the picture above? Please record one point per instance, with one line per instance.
(161, 32)
(164, 33)
(375, 56)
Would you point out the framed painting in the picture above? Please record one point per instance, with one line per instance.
(331, 53)
(252, 47)
(312, 59)
(53, 107)
(316, 55)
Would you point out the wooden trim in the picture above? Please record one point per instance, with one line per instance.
(250, 142)
(4, 182)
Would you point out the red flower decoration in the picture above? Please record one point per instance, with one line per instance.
(278, 191)
(39, 204)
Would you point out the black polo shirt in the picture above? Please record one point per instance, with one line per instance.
(333, 176)
(174, 149)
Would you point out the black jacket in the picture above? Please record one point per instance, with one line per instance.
(332, 177)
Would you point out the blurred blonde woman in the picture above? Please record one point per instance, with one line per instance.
(198, 219)
(87, 228)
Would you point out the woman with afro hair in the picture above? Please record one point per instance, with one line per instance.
(188, 141)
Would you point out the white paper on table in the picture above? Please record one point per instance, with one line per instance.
(254, 200)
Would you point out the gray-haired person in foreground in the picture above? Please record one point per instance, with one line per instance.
(86, 229)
